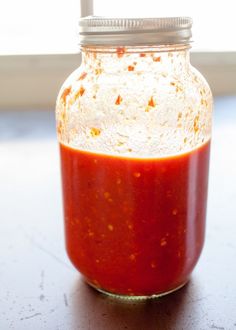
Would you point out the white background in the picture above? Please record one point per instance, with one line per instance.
(49, 26)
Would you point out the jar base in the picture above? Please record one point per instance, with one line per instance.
(133, 297)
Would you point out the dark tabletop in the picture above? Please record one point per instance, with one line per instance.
(39, 288)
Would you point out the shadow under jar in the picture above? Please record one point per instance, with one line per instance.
(134, 127)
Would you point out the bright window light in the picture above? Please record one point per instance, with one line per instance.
(214, 21)
(50, 26)
(39, 26)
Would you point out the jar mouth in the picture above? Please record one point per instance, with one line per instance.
(95, 30)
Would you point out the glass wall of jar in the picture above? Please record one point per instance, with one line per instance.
(134, 127)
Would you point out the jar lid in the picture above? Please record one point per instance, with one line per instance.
(95, 30)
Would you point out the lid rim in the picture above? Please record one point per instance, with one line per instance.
(98, 30)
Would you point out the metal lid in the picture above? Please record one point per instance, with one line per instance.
(95, 30)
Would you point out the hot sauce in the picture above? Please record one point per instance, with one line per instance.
(135, 226)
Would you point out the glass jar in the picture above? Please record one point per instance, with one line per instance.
(134, 127)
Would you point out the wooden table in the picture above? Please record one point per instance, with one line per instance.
(39, 289)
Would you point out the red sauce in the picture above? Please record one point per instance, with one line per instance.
(135, 226)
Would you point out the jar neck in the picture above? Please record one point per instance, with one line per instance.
(115, 59)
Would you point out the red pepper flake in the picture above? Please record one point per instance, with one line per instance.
(179, 115)
(175, 211)
(142, 55)
(163, 241)
(65, 93)
(151, 102)
(98, 71)
(110, 227)
(156, 59)
(195, 124)
(153, 264)
(82, 76)
(95, 131)
(106, 194)
(120, 143)
(120, 51)
(63, 116)
(118, 100)
(178, 89)
(130, 68)
(81, 91)
(59, 128)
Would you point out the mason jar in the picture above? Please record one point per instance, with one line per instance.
(134, 128)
